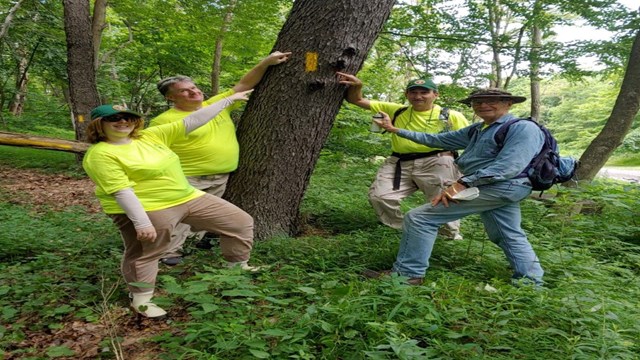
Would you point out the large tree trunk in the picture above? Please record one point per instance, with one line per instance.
(291, 112)
(620, 121)
(80, 66)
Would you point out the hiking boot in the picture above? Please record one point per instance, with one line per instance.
(243, 265)
(141, 303)
(372, 274)
(172, 261)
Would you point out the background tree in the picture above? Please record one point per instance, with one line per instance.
(291, 112)
(620, 121)
(80, 65)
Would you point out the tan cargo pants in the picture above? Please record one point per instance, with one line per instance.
(210, 213)
(211, 184)
(430, 175)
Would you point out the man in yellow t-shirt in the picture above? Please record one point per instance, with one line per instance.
(411, 166)
(210, 153)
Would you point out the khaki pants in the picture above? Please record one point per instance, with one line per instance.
(211, 184)
(210, 213)
(430, 175)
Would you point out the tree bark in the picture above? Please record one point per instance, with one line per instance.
(495, 24)
(42, 142)
(22, 79)
(97, 27)
(620, 121)
(291, 111)
(80, 65)
(534, 75)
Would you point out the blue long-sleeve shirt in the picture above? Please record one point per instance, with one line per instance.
(482, 161)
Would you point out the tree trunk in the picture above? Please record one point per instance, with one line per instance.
(80, 65)
(534, 75)
(495, 23)
(9, 18)
(291, 112)
(97, 26)
(217, 53)
(620, 121)
(22, 79)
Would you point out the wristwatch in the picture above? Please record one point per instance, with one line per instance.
(462, 183)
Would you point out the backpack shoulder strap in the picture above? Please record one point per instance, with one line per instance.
(475, 128)
(501, 134)
(397, 113)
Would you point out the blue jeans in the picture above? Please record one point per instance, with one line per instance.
(499, 209)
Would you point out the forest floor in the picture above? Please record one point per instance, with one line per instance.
(45, 192)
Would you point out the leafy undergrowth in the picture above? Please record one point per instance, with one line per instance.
(61, 293)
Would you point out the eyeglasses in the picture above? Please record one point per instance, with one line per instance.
(489, 102)
(118, 117)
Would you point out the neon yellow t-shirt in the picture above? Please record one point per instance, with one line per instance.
(146, 164)
(422, 121)
(211, 149)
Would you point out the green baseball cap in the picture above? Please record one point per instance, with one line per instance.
(108, 110)
(422, 83)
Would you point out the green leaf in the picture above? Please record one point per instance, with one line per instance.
(8, 312)
(307, 290)
(207, 308)
(59, 351)
(240, 293)
(274, 332)
(259, 354)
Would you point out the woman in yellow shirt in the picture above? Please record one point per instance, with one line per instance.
(141, 186)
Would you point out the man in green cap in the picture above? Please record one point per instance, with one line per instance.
(411, 166)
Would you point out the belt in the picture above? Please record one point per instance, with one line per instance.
(413, 156)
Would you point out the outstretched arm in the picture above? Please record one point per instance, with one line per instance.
(253, 77)
(200, 117)
(354, 90)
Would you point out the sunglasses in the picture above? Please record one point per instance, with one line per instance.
(118, 117)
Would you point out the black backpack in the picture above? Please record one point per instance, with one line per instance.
(545, 169)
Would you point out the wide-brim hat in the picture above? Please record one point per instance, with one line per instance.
(108, 110)
(492, 93)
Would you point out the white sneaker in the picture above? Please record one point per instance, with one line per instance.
(243, 265)
(142, 304)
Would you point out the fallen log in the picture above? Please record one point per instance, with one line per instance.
(42, 142)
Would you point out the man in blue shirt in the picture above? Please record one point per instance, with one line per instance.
(493, 170)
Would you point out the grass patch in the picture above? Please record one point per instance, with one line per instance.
(312, 303)
(50, 161)
(629, 159)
